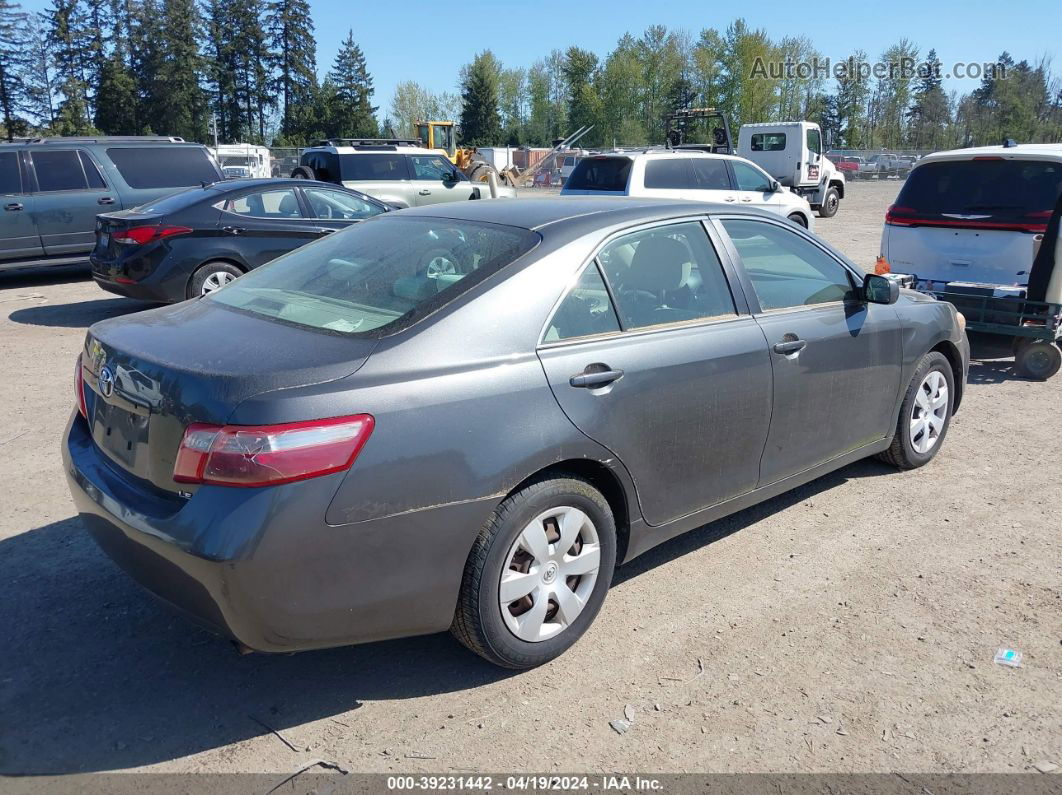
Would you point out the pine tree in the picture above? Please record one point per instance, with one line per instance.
(352, 115)
(13, 61)
(290, 30)
(584, 104)
(68, 37)
(178, 102)
(480, 121)
(39, 74)
(221, 70)
(116, 99)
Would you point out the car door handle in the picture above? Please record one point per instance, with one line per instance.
(790, 346)
(729, 198)
(325, 231)
(233, 230)
(13, 207)
(746, 198)
(591, 379)
(105, 200)
(425, 192)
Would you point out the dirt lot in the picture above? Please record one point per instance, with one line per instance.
(847, 626)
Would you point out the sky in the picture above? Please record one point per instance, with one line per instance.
(429, 41)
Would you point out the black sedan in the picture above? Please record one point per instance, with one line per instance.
(195, 241)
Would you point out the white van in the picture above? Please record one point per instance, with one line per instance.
(974, 215)
(244, 160)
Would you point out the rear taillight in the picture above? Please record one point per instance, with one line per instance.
(139, 235)
(267, 455)
(898, 215)
(895, 215)
(79, 388)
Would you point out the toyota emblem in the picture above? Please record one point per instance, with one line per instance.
(106, 381)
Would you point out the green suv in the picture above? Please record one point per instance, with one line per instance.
(51, 189)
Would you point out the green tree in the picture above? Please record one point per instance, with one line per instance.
(480, 121)
(14, 52)
(930, 114)
(38, 74)
(584, 104)
(177, 103)
(68, 39)
(351, 112)
(853, 94)
(117, 99)
(621, 87)
(290, 28)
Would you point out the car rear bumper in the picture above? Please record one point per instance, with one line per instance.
(261, 565)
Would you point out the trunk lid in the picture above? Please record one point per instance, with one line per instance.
(150, 375)
(108, 225)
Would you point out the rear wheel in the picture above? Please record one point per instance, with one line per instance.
(925, 414)
(537, 574)
(799, 220)
(212, 276)
(302, 172)
(1038, 359)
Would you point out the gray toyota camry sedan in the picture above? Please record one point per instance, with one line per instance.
(466, 416)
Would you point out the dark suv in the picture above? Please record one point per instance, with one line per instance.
(52, 189)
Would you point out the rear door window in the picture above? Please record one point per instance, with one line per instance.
(274, 203)
(357, 168)
(335, 205)
(164, 166)
(954, 192)
(709, 173)
(431, 167)
(585, 311)
(59, 169)
(10, 176)
(668, 174)
(609, 174)
(666, 274)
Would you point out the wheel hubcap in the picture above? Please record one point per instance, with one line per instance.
(216, 280)
(549, 574)
(930, 412)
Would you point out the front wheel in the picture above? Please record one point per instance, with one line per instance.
(799, 220)
(830, 203)
(925, 414)
(537, 574)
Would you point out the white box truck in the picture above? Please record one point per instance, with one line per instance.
(792, 153)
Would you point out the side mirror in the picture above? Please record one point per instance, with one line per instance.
(453, 176)
(775, 186)
(880, 290)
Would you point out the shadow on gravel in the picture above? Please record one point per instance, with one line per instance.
(24, 278)
(80, 314)
(96, 675)
(993, 372)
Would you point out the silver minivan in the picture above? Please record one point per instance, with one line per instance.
(974, 215)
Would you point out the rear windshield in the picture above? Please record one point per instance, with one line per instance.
(601, 173)
(379, 276)
(164, 166)
(997, 190)
(172, 202)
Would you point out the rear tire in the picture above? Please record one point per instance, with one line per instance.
(1037, 359)
(524, 600)
(925, 414)
(211, 277)
(799, 220)
(303, 172)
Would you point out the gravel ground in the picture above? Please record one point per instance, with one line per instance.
(848, 626)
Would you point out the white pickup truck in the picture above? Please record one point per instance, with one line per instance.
(791, 152)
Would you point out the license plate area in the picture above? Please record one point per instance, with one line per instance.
(122, 434)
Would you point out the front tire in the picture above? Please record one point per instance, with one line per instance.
(799, 220)
(537, 574)
(925, 414)
(830, 203)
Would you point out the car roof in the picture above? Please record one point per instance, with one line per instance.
(575, 213)
(382, 149)
(659, 154)
(1035, 151)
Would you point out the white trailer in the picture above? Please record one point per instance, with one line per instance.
(244, 160)
(792, 153)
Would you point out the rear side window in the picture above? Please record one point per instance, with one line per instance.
(59, 170)
(92, 171)
(784, 268)
(768, 142)
(601, 173)
(325, 165)
(377, 277)
(585, 311)
(710, 173)
(164, 166)
(10, 177)
(668, 174)
(997, 191)
(373, 167)
(667, 274)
